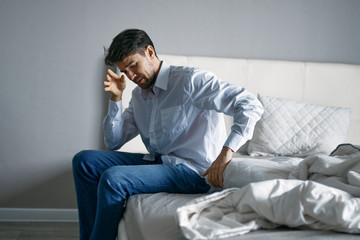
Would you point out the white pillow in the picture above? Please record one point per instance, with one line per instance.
(292, 128)
(345, 149)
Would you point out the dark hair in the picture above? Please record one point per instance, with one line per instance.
(128, 42)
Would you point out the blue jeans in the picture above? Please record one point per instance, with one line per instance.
(105, 179)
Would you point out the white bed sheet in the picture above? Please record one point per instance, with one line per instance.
(325, 197)
(153, 216)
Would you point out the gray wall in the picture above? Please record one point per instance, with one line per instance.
(51, 68)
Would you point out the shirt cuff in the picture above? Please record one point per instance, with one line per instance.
(235, 141)
(115, 109)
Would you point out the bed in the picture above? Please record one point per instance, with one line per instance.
(298, 177)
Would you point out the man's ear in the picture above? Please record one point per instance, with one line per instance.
(150, 51)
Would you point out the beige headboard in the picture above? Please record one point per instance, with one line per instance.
(317, 83)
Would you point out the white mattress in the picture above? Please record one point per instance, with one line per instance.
(154, 216)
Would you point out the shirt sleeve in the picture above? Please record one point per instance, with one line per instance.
(119, 127)
(209, 92)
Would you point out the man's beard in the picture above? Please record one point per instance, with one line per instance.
(149, 81)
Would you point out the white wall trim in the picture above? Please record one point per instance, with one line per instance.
(38, 215)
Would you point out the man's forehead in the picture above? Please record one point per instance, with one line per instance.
(128, 60)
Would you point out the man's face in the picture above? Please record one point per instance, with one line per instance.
(139, 69)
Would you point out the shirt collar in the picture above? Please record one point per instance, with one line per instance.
(161, 82)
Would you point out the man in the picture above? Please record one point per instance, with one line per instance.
(176, 111)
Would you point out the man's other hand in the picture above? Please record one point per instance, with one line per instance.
(216, 170)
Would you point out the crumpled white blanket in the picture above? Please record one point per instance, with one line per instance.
(342, 172)
(323, 196)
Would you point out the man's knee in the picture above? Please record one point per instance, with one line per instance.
(82, 160)
(113, 179)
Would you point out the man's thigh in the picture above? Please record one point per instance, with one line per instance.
(153, 178)
(95, 162)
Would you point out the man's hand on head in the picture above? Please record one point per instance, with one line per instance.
(216, 170)
(115, 84)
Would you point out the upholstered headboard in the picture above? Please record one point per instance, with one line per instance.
(326, 84)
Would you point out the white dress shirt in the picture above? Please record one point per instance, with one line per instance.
(182, 118)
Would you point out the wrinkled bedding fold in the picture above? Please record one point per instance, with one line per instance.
(321, 192)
